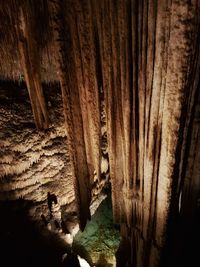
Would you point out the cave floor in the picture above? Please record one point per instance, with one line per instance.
(24, 243)
(100, 239)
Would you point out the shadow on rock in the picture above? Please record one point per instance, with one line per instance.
(23, 241)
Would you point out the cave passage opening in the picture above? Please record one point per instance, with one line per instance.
(99, 242)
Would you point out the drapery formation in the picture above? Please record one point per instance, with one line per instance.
(144, 55)
(149, 54)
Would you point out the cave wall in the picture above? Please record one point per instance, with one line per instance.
(33, 163)
(190, 191)
(35, 166)
(139, 58)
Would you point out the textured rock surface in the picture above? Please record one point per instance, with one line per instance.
(33, 163)
(129, 77)
(100, 238)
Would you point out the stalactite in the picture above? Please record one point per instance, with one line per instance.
(144, 57)
(85, 70)
(72, 109)
(31, 66)
(154, 137)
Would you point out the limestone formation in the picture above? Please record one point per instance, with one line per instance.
(128, 73)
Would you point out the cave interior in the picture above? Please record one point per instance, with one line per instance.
(100, 133)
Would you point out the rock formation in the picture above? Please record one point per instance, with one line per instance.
(128, 72)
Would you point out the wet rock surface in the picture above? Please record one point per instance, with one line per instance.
(100, 239)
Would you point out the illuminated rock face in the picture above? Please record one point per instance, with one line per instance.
(33, 164)
(100, 239)
(36, 164)
(129, 77)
